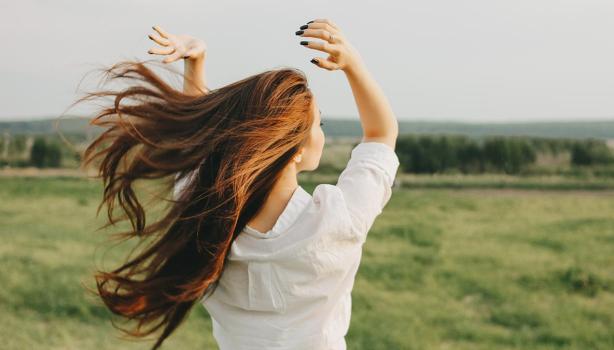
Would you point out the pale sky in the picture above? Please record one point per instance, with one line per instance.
(471, 60)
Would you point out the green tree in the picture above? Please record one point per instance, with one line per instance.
(53, 155)
(38, 152)
(590, 152)
(510, 155)
(45, 154)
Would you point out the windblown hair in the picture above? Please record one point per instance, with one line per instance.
(229, 146)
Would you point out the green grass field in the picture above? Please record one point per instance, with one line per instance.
(441, 269)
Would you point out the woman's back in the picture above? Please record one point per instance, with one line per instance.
(290, 288)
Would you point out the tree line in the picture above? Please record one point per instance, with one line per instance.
(38, 151)
(417, 153)
(512, 155)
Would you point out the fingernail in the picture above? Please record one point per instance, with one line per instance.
(314, 61)
(304, 26)
(304, 42)
(309, 22)
(299, 32)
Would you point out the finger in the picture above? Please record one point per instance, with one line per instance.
(161, 50)
(319, 25)
(158, 39)
(323, 46)
(161, 31)
(324, 63)
(315, 33)
(338, 36)
(325, 20)
(173, 57)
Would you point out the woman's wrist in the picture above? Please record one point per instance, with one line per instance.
(356, 69)
(196, 58)
(194, 75)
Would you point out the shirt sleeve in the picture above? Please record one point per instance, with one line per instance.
(366, 183)
(179, 185)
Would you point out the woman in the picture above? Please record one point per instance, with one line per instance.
(273, 265)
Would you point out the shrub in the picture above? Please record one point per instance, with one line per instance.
(590, 152)
(45, 154)
(38, 152)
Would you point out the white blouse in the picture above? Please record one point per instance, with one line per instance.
(290, 288)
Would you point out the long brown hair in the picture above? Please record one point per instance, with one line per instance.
(235, 140)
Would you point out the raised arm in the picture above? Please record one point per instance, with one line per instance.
(378, 121)
(366, 182)
(194, 75)
(192, 50)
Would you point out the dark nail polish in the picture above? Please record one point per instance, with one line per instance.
(314, 61)
(304, 26)
(304, 42)
(309, 22)
(299, 32)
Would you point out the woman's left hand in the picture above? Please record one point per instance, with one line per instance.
(341, 54)
(177, 46)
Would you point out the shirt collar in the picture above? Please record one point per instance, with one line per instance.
(298, 201)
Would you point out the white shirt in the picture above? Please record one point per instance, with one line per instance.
(290, 288)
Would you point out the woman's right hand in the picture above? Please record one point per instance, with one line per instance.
(342, 55)
(176, 46)
(191, 49)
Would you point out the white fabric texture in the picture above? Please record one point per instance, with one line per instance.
(290, 287)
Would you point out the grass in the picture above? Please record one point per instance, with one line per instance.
(441, 269)
(489, 270)
(499, 181)
(490, 181)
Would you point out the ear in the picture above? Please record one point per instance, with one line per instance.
(298, 158)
